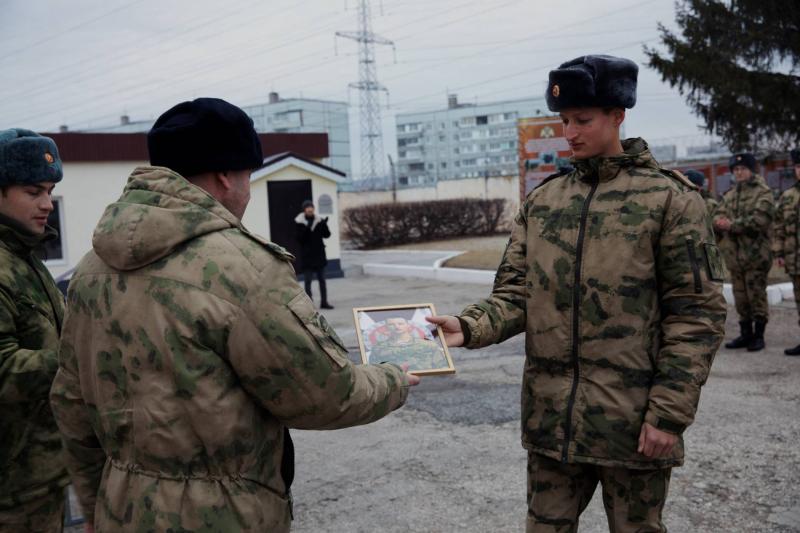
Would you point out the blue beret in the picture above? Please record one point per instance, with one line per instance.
(204, 135)
(696, 177)
(593, 81)
(745, 159)
(27, 158)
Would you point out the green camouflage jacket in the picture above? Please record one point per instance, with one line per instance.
(612, 273)
(31, 312)
(750, 206)
(711, 202)
(188, 347)
(787, 226)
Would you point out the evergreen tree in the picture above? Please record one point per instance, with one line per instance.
(737, 61)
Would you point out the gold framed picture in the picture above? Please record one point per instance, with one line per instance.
(400, 334)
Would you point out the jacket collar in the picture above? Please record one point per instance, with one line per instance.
(635, 154)
(755, 180)
(301, 219)
(19, 240)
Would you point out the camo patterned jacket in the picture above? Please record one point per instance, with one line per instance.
(613, 274)
(787, 228)
(31, 312)
(188, 347)
(750, 206)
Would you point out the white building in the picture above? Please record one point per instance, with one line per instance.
(293, 115)
(462, 141)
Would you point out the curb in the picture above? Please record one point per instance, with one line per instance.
(775, 293)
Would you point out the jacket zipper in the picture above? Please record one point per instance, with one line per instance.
(576, 304)
(698, 284)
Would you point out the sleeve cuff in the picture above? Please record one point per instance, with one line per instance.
(663, 424)
(465, 331)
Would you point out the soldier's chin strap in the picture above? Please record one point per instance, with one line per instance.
(287, 467)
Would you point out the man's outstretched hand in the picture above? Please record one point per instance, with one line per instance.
(411, 379)
(451, 327)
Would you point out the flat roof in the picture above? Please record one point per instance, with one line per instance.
(90, 147)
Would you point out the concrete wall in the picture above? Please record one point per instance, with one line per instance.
(256, 218)
(506, 187)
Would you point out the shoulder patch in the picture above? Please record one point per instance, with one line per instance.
(679, 177)
(279, 251)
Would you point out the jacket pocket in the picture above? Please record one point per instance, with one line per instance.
(698, 283)
(318, 327)
(716, 272)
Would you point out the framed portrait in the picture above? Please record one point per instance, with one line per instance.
(400, 334)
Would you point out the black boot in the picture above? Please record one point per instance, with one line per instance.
(743, 340)
(757, 344)
(792, 351)
(326, 305)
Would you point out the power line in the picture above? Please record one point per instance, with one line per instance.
(173, 79)
(79, 76)
(68, 30)
(148, 86)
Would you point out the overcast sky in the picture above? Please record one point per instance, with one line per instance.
(86, 62)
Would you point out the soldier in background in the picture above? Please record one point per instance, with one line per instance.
(32, 471)
(787, 226)
(743, 221)
(613, 274)
(189, 348)
(699, 179)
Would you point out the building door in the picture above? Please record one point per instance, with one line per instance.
(285, 201)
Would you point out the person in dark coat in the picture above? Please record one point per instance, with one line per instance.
(311, 230)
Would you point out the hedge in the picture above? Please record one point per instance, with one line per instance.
(373, 226)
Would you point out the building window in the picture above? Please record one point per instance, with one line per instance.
(481, 120)
(444, 164)
(55, 250)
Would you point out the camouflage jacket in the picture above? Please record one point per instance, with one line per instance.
(613, 274)
(711, 202)
(188, 347)
(31, 312)
(750, 206)
(787, 226)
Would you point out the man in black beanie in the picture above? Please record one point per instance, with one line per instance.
(189, 348)
(311, 230)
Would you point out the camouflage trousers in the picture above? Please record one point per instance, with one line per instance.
(750, 295)
(796, 284)
(43, 515)
(558, 493)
